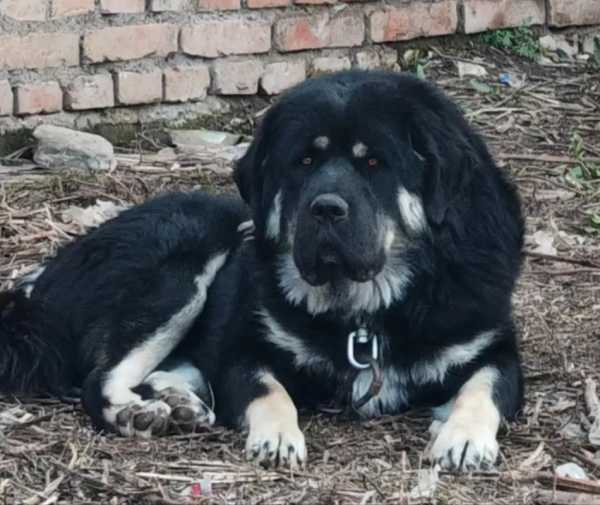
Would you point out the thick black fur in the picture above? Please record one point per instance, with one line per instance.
(103, 293)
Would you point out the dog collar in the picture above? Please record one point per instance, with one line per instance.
(362, 336)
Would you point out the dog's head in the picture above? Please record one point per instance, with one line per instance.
(347, 177)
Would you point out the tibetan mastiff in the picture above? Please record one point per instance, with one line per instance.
(369, 267)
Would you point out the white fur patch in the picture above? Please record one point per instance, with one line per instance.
(393, 396)
(467, 440)
(143, 359)
(184, 376)
(273, 432)
(274, 218)
(27, 282)
(387, 286)
(455, 355)
(359, 150)
(185, 381)
(303, 355)
(321, 142)
(411, 209)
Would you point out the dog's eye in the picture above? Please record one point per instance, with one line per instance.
(372, 162)
(307, 160)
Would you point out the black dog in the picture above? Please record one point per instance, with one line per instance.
(386, 247)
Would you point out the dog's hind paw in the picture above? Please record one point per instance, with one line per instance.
(188, 411)
(143, 420)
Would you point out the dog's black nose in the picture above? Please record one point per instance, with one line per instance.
(329, 207)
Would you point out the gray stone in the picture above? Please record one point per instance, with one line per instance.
(368, 59)
(571, 471)
(590, 42)
(64, 148)
(203, 137)
(470, 69)
(556, 43)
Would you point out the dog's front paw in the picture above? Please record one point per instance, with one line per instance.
(459, 446)
(275, 443)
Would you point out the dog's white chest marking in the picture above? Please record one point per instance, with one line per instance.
(435, 370)
(391, 398)
(304, 355)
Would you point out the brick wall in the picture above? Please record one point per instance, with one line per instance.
(74, 62)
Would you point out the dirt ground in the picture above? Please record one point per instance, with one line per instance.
(547, 134)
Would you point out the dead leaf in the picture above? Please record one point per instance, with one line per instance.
(14, 415)
(506, 125)
(537, 460)
(543, 242)
(427, 481)
(593, 405)
(554, 194)
(572, 431)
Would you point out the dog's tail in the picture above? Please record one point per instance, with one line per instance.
(33, 348)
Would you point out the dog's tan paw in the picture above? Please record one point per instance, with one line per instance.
(275, 443)
(460, 446)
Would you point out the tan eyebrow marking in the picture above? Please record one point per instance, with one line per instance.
(321, 142)
(359, 150)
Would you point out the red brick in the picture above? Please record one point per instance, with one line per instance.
(265, 4)
(25, 10)
(481, 15)
(90, 92)
(314, 2)
(183, 84)
(130, 42)
(6, 98)
(167, 5)
(237, 77)
(39, 50)
(39, 97)
(135, 88)
(63, 8)
(219, 5)
(282, 75)
(409, 21)
(122, 6)
(223, 37)
(574, 12)
(322, 30)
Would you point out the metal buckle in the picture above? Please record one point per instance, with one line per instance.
(362, 336)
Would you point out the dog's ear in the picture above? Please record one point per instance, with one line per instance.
(248, 172)
(446, 162)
